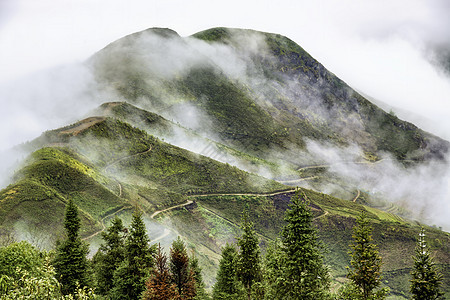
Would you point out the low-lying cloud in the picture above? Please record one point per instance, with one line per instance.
(60, 96)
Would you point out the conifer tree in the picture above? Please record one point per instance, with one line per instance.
(365, 271)
(426, 279)
(227, 285)
(198, 278)
(129, 279)
(109, 256)
(71, 264)
(248, 266)
(160, 285)
(182, 275)
(299, 257)
(274, 275)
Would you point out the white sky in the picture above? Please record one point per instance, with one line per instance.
(378, 47)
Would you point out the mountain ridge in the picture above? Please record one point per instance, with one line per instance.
(222, 119)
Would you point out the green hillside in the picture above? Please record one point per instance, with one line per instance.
(194, 139)
(105, 166)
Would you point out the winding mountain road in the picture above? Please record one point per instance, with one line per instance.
(102, 221)
(357, 196)
(170, 208)
(297, 180)
(246, 194)
(126, 157)
(122, 159)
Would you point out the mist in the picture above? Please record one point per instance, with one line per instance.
(390, 57)
(422, 189)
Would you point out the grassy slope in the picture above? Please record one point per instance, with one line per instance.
(106, 160)
(269, 114)
(175, 134)
(215, 221)
(286, 61)
(50, 177)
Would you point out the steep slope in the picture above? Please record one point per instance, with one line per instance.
(279, 97)
(194, 113)
(215, 220)
(305, 91)
(33, 207)
(105, 165)
(175, 134)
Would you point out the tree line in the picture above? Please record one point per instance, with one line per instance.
(127, 266)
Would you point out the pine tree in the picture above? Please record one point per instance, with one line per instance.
(227, 285)
(109, 256)
(160, 285)
(299, 257)
(182, 275)
(365, 271)
(426, 279)
(198, 278)
(71, 264)
(274, 275)
(248, 266)
(129, 279)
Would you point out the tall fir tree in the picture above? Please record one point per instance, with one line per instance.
(299, 256)
(426, 280)
(71, 264)
(160, 285)
(109, 256)
(365, 271)
(227, 287)
(198, 278)
(274, 275)
(182, 275)
(129, 279)
(248, 264)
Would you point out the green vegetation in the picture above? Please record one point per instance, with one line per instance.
(71, 265)
(296, 269)
(130, 276)
(106, 165)
(248, 259)
(365, 270)
(426, 279)
(109, 256)
(227, 286)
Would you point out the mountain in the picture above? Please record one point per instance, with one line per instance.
(194, 130)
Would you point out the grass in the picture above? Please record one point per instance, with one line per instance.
(395, 237)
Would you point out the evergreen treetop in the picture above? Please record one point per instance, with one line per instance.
(160, 285)
(129, 278)
(365, 271)
(227, 285)
(248, 266)
(426, 280)
(70, 263)
(305, 275)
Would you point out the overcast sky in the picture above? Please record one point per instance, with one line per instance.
(381, 48)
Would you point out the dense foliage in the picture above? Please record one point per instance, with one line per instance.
(110, 255)
(299, 269)
(248, 260)
(365, 271)
(227, 286)
(71, 264)
(130, 276)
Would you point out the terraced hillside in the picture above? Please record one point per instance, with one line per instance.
(209, 125)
